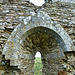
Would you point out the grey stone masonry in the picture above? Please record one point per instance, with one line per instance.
(26, 29)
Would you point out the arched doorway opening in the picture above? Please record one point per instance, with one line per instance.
(49, 48)
(38, 64)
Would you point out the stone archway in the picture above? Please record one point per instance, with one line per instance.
(40, 27)
(47, 45)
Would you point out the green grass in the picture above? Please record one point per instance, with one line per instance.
(38, 66)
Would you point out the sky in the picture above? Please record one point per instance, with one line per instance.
(37, 2)
(38, 54)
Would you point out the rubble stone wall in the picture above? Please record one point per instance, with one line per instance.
(15, 13)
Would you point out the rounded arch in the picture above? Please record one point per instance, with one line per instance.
(45, 30)
(38, 22)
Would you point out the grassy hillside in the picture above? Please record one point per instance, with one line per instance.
(38, 66)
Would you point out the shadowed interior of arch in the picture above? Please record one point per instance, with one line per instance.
(48, 31)
(47, 45)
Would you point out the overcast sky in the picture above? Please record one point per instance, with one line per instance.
(37, 2)
(38, 54)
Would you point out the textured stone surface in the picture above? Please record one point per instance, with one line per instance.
(18, 20)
